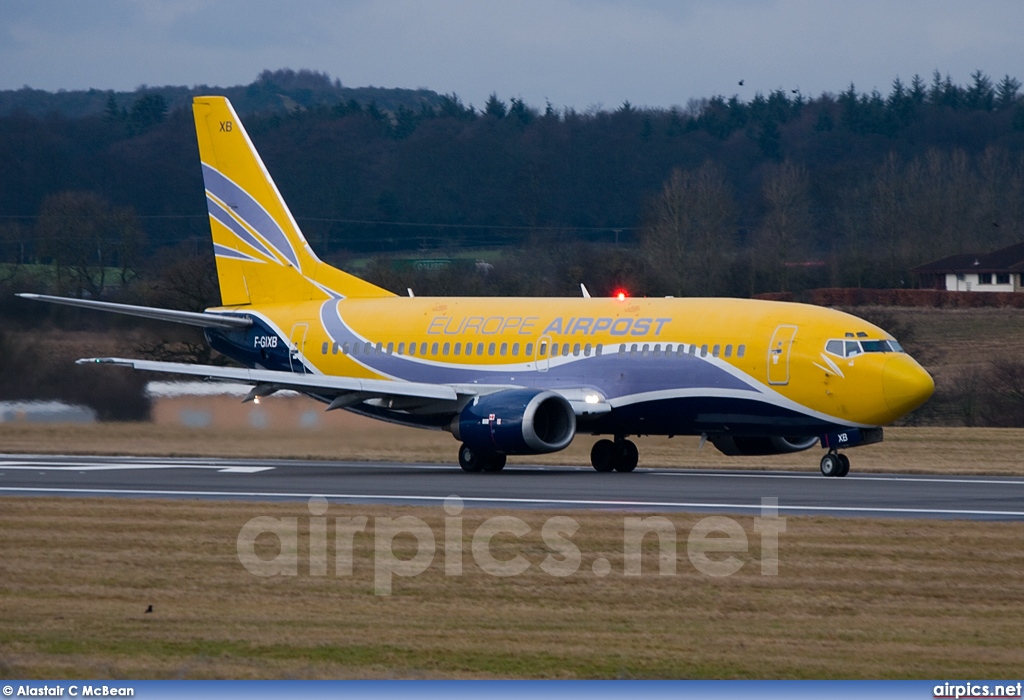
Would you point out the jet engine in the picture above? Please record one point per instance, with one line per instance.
(516, 422)
(751, 446)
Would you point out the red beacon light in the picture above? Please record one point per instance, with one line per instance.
(620, 294)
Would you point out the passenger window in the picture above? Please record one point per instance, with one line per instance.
(657, 350)
(515, 349)
(703, 350)
(586, 350)
(680, 350)
(344, 348)
(554, 349)
(412, 348)
(529, 349)
(391, 348)
(445, 348)
(401, 348)
(423, 349)
(740, 350)
(380, 348)
(598, 349)
(334, 348)
(835, 347)
(693, 350)
(433, 349)
(479, 348)
(469, 348)
(490, 349)
(368, 349)
(576, 350)
(646, 349)
(632, 350)
(458, 348)
(622, 350)
(323, 350)
(728, 350)
(715, 350)
(504, 349)
(356, 347)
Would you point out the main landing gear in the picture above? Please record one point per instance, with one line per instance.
(471, 461)
(621, 455)
(835, 464)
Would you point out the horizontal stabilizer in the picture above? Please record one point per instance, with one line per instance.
(189, 318)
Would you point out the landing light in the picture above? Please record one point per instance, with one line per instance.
(256, 400)
(592, 398)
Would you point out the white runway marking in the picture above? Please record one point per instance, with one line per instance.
(43, 467)
(525, 501)
(852, 477)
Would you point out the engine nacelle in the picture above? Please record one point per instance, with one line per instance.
(516, 422)
(752, 446)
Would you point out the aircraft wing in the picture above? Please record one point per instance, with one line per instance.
(346, 390)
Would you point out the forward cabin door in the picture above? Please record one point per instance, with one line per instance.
(778, 354)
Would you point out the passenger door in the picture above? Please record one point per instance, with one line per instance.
(778, 354)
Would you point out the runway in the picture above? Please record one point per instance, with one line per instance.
(566, 488)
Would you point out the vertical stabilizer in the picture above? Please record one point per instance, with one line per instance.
(262, 256)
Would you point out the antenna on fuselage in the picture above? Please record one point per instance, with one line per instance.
(583, 288)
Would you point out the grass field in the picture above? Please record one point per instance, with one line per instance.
(853, 598)
(914, 450)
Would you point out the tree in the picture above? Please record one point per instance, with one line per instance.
(689, 237)
(784, 234)
(1006, 92)
(495, 107)
(147, 111)
(87, 240)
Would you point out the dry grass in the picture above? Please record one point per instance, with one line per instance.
(920, 450)
(854, 598)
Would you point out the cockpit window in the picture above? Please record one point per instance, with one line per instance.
(851, 348)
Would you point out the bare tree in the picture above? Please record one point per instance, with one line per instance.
(784, 234)
(87, 239)
(689, 238)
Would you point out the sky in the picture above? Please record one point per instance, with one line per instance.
(573, 53)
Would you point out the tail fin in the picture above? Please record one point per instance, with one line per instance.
(262, 256)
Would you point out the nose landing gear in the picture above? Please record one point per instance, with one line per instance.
(835, 464)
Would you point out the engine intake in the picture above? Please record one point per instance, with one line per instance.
(752, 446)
(516, 422)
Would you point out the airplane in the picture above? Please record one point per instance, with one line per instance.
(522, 376)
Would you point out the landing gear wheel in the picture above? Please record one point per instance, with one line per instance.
(844, 465)
(494, 463)
(602, 455)
(830, 464)
(469, 460)
(628, 457)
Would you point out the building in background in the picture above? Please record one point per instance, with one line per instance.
(998, 271)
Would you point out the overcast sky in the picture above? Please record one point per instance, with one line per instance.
(578, 53)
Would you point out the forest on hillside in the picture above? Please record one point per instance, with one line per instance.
(779, 193)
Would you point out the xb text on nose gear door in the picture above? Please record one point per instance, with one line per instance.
(778, 355)
(296, 344)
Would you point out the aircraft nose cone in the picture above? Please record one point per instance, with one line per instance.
(905, 384)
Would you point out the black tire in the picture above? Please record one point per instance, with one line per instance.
(830, 465)
(494, 463)
(628, 457)
(469, 460)
(844, 465)
(602, 455)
